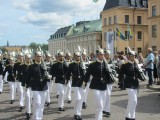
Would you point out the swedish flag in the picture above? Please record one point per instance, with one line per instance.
(120, 34)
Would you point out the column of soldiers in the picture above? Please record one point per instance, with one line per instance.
(33, 78)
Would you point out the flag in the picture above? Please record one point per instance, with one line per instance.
(129, 33)
(95, 1)
(120, 34)
(110, 41)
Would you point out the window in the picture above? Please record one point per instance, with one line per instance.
(126, 51)
(105, 21)
(132, 3)
(139, 20)
(154, 31)
(139, 35)
(115, 19)
(154, 48)
(110, 20)
(126, 34)
(154, 10)
(126, 18)
(139, 50)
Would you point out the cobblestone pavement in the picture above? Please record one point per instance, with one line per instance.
(148, 107)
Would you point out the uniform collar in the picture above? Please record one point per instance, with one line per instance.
(37, 62)
(77, 61)
(130, 61)
(100, 61)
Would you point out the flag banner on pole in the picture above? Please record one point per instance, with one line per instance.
(120, 34)
(129, 33)
(110, 41)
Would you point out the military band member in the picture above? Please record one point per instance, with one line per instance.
(69, 88)
(26, 84)
(86, 90)
(17, 75)
(59, 70)
(48, 63)
(98, 83)
(110, 82)
(10, 79)
(77, 72)
(131, 83)
(38, 81)
(1, 74)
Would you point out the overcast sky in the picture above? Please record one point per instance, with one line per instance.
(26, 21)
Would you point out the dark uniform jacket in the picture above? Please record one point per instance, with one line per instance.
(132, 75)
(75, 70)
(99, 72)
(1, 68)
(37, 77)
(9, 69)
(24, 75)
(16, 71)
(59, 70)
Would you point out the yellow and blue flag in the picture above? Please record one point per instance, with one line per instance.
(130, 36)
(120, 34)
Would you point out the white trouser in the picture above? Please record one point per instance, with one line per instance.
(61, 89)
(86, 92)
(57, 89)
(20, 93)
(29, 96)
(78, 97)
(48, 98)
(108, 96)
(1, 83)
(12, 90)
(38, 104)
(132, 103)
(68, 90)
(5, 77)
(98, 98)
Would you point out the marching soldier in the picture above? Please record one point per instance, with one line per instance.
(131, 83)
(48, 63)
(1, 74)
(69, 88)
(38, 80)
(25, 83)
(98, 84)
(110, 82)
(77, 72)
(86, 91)
(59, 70)
(17, 75)
(10, 79)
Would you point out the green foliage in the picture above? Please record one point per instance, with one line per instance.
(35, 46)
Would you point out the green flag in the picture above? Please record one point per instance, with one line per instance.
(95, 1)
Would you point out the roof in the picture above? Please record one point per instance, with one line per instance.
(89, 27)
(125, 3)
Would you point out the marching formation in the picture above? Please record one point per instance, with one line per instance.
(32, 75)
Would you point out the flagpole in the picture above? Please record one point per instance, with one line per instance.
(128, 37)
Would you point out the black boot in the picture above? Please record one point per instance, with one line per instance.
(128, 118)
(12, 101)
(20, 109)
(76, 117)
(47, 104)
(28, 115)
(107, 114)
(84, 105)
(61, 109)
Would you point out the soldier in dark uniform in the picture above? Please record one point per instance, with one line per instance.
(38, 80)
(68, 60)
(5, 62)
(98, 84)
(131, 83)
(110, 82)
(1, 74)
(59, 70)
(10, 79)
(48, 63)
(25, 83)
(17, 75)
(77, 72)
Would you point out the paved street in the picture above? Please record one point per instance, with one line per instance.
(148, 106)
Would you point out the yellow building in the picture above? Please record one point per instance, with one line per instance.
(13, 48)
(124, 14)
(154, 23)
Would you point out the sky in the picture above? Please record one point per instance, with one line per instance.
(26, 21)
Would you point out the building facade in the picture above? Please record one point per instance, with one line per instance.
(88, 35)
(124, 15)
(57, 41)
(154, 23)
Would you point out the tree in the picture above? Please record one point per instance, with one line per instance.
(34, 46)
